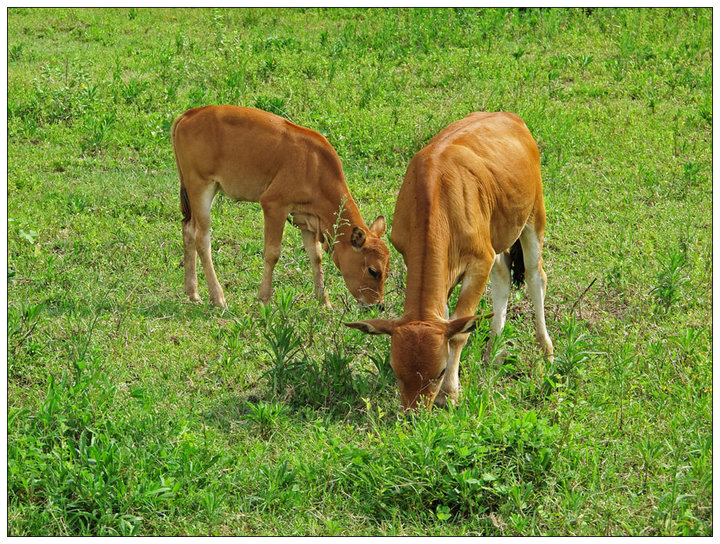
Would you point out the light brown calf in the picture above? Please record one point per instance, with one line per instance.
(253, 155)
(473, 192)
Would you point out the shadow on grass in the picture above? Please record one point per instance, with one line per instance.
(259, 409)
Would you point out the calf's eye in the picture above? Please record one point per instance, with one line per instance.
(437, 379)
(374, 273)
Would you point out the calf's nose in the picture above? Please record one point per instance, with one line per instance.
(366, 306)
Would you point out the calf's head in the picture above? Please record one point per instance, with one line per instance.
(418, 353)
(364, 262)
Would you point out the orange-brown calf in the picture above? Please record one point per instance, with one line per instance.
(291, 171)
(473, 192)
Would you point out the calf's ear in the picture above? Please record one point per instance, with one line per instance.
(378, 226)
(357, 238)
(464, 325)
(373, 326)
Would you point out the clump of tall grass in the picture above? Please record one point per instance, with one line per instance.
(670, 278)
(309, 365)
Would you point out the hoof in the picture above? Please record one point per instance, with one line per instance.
(490, 357)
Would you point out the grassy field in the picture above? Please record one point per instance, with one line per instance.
(133, 411)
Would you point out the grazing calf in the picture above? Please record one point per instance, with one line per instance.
(291, 171)
(472, 193)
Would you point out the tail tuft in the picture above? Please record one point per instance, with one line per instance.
(517, 264)
(184, 205)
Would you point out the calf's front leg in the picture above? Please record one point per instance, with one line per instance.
(314, 251)
(471, 291)
(275, 218)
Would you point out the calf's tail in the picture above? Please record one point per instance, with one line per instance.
(517, 264)
(184, 200)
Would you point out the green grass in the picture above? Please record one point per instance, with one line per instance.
(133, 411)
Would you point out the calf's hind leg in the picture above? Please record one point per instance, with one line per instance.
(201, 204)
(500, 284)
(190, 260)
(531, 242)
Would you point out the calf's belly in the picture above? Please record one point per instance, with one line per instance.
(247, 189)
